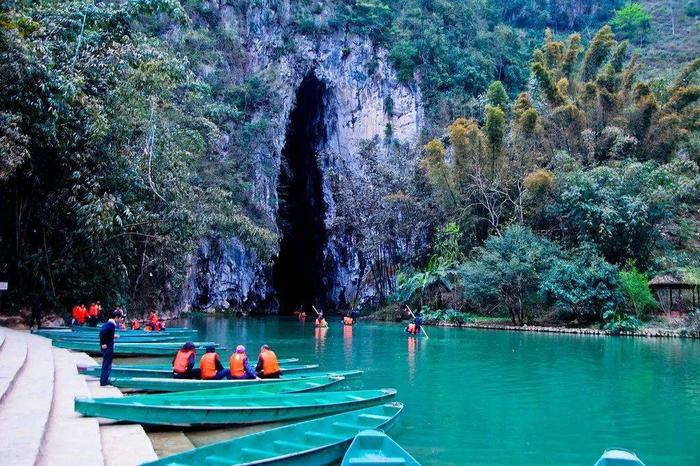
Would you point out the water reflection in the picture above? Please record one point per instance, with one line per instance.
(412, 342)
(320, 338)
(347, 344)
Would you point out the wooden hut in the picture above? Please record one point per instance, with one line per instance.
(676, 291)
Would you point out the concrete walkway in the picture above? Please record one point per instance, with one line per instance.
(37, 423)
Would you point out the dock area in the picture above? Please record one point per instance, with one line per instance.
(38, 383)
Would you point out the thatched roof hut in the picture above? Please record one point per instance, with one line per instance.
(676, 281)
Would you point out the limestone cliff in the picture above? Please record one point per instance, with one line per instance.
(359, 84)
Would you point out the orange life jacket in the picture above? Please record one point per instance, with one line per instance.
(237, 365)
(147, 328)
(208, 365)
(321, 323)
(270, 364)
(76, 312)
(347, 320)
(153, 319)
(412, 328)
(94, 311)
(182, 359)
(82, 314)
(135, 325)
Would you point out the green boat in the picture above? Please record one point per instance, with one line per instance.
(372, 447)
(318, 441)
(88, 329)
(241, 409)
(131, 349)
(122, 338)
(619, 457)
(177, 385)
(166, 372)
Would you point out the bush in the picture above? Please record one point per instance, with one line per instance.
(632, 21)
(618, 322)
(635, 288)
(445, 315)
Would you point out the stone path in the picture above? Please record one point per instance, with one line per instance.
(37, 423)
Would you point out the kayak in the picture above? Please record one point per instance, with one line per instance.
(318, 441)
(132, 349)
(167, 367)
(242, 409)
(618, 457)
(375, 447)
(152, 384)
(166, 371)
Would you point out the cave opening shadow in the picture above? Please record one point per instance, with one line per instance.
(297, 272)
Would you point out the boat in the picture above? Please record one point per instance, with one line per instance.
(166, 371)
(318, 441)
(618, 457)
(56, 336)
(167, 331)
(165, 367)
(375, 447)
(239, 409)
(132, 349)
(152, 384)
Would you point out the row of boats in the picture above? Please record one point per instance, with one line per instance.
(331, 425)
(327, 425)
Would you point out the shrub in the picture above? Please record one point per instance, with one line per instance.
(618, 322)
(635, 288)
(632, 21)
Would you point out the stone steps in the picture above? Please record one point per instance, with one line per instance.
(26, 405)
(13, 354)
(70, 438)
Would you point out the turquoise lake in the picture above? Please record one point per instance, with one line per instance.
(476, 397)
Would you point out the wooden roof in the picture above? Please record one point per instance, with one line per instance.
(673, 280)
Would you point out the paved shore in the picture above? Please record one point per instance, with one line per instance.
(39, 427)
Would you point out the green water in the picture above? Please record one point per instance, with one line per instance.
(500, 398)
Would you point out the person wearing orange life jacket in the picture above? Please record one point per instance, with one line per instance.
(347, 320)
(136, 325)
(267, 367)
(82, 314)
(239, 366)
(411, 328)
(321, 321)
(153, 319)
(183, 362)
(75, 312)
(93, 313)
(210, 366)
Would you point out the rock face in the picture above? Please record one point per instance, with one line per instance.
(363, 100)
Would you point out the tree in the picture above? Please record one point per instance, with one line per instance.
(632, 21)
(506, 272)
(635, 288)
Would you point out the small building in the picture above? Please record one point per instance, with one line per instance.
(676, 292)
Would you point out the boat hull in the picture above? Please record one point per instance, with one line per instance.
(318, 441)
(230, 410)
(375, 447)
(166, 372)
(131, 349)
(174, 385)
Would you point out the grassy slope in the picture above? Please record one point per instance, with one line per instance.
(674, 39)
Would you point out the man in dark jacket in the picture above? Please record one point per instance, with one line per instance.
(107, 336)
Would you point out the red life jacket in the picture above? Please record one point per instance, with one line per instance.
(135, 325)
(208, 365)
(153, 319)
(182, 360)
(94, 311)
(237, 365)
(82, 314)
(270, 364)
(412, 328)
(347, 320)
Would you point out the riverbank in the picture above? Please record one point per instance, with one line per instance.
(659, 328)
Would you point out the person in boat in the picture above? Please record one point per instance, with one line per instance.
(268, 367)
(210, 367)
(347, 320)
(183, 362)
(153, 320)
(411, 329)
(107, 336)
(136, 324)
(239, 366)
(162, 324)
(418, 321)
(321, 321)
(355, 315)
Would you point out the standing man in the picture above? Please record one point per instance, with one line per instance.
(37, 310)
(107, 336)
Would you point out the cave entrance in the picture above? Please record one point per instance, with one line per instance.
(298, 269)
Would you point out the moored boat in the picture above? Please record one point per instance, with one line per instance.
(242, 409)
(166, 371)
(122, 338)
(165, 367)
(318, 441)
(173, 385)
(375, 447)
(131, 349)
(618, 457)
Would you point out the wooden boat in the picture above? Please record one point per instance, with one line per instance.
(318, 441)
(242, 409)
(56, 336)
(375, 447)
(131, 349)
(174, 385)
(166, 371)
(167, 331)
(618, 457)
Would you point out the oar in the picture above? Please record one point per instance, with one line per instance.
(315, 310)
(414, 316)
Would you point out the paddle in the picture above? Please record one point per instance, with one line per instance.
(315, 310)
(414, 316)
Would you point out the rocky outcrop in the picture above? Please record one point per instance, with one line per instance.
(363, 101)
